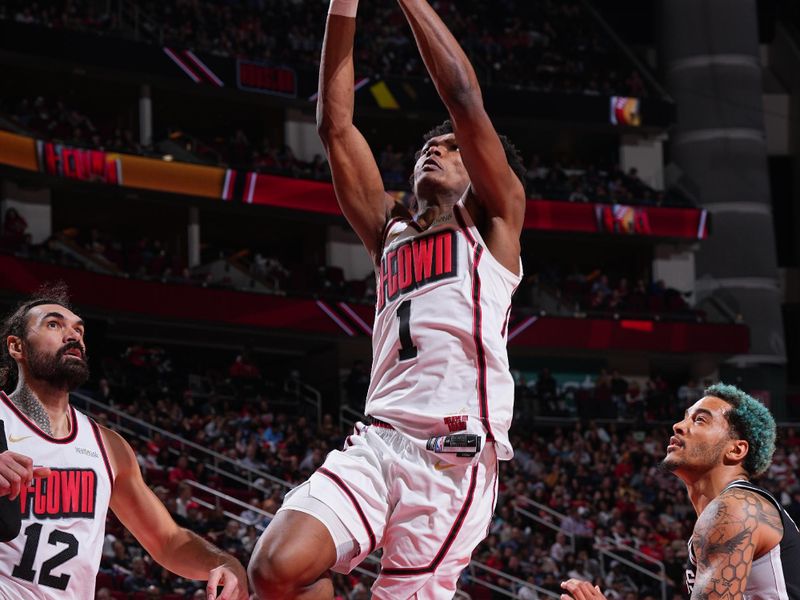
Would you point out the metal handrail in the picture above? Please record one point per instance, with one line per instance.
(307, 394)
(228, 498)
(548, 524)
(662, 578)
(216, 456)
(543, 507)
(346, 423)
(517, 580)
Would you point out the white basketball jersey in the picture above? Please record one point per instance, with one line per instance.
(57, 552)
(440, 363)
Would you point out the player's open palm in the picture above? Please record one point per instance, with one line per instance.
(581, 590)
(16, 472)
(233, 579)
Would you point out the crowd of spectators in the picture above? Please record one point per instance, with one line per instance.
(55, 120)
(598, 293)
(568, 49)
(601, 475)
(605, 395)
(577, 182)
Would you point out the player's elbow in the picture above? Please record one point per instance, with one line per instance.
(330, 125)
(464, 101)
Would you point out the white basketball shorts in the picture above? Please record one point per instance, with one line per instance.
(426, 514)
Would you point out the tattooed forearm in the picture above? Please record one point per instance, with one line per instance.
(25, 400)
(724, 543)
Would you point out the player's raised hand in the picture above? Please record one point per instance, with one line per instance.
(16, 472)
(233, 579)
(581, 590)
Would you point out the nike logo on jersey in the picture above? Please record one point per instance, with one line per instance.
(415, 263)
(14, 439)
(442, 466)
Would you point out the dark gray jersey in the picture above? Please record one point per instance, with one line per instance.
(776, 574)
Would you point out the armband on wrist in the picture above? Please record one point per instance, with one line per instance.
(344, 8)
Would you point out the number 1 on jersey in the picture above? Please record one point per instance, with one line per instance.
(407, 348)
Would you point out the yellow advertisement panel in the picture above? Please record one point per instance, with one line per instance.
(178, 178)
(17, 151)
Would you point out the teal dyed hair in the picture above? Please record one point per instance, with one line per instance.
(751, 421)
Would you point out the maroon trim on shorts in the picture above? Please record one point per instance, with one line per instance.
(99, 437)
(448, 542)
(338, 481)
(33, 427)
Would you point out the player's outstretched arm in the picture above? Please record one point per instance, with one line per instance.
(494, 184)
(173, 547)
(356, 178)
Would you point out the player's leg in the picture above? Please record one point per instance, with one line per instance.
(435, 526)
(332, 521)
(291, 559)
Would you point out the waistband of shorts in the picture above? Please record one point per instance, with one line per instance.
(378, 423)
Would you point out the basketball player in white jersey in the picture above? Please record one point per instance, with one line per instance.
(84, 469)
(744, 544)
(419, 478)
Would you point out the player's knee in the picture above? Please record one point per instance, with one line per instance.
(275, 571)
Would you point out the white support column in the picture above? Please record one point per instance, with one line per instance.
(646, 154)
(194, 237)
(145, 116)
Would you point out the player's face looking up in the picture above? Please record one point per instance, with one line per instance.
(701, 438)
(53, 347)
(439, 168)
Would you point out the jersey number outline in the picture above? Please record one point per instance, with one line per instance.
(407, 348)
(24, 570)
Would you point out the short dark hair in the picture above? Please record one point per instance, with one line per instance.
(749, 420)
(513, 156)
(15, 322)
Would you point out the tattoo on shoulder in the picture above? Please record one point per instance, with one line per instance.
(27, 402)
(723, 542)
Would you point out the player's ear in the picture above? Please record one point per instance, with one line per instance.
(14, 345)
(737, 451)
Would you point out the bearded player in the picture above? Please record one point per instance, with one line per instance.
(419, 478)
(744, 545)
(84, 469)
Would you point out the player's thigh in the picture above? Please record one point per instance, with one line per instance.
(434, 529)
(294, 547)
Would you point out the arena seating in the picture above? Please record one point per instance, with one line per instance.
(572, 52)
(596, 482)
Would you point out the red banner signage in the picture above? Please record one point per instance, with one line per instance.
(266, 79)
(340, 319)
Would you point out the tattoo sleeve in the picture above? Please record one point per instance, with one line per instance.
(724, 543)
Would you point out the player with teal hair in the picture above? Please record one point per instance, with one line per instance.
(744, 545)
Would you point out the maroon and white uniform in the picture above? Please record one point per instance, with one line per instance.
(57, 552)
(440, 363)
(440, 368)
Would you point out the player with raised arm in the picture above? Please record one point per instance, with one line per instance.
(744, 545)
(419, 478)
(83, 469)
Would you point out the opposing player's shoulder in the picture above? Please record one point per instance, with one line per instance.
(736, 519)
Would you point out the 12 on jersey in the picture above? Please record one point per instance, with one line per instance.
(57, 553)
(440, 363)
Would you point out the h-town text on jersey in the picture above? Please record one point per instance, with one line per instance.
(415, 263)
